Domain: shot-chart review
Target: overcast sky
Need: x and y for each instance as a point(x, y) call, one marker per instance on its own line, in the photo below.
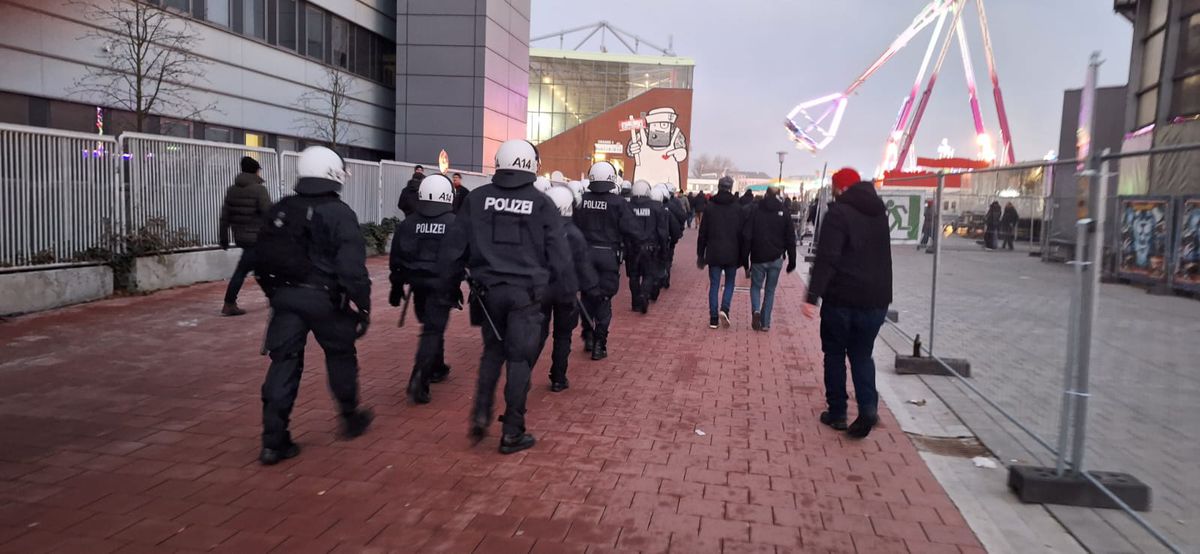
point(756, 59)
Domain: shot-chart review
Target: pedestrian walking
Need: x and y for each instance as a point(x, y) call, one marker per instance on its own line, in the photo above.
point(246, 202)
point(413, 263)
point(719, 247)
point(926, 225)
point(699, 205)
point(607, 223)
point(509, 237)
point(561, 309)
point(411, 192)
point(311, 262)
point(991, 226)
point(686, 202)
point(675, 225)
point(645, 248)
point(852, 279)
point(769, 235)
point(1008, 225)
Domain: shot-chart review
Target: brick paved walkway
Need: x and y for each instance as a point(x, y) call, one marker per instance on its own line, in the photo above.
point(132, 425)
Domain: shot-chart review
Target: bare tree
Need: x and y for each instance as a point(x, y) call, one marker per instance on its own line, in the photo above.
point(328, 106)
point(148, 60)
point(709, 164)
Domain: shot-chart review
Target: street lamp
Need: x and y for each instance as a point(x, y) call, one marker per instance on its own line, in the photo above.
point(782, 154)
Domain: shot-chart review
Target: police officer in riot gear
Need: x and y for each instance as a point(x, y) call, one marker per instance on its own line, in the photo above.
point(415, 247)
point(562, 303)
point(312, 265)
point(509, 236)
point(644, 252)
point(606, 222)
point(674, 208)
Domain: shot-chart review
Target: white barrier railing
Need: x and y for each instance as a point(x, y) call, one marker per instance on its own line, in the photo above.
point(59, 193)
point(64, 192)
point(183, 181)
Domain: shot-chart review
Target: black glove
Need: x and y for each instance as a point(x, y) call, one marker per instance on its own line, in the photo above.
point(700, 263)
point(791, 265)
point(396, 295)
point(364, 321)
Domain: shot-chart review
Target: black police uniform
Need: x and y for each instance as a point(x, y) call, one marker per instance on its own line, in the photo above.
point(413, 262)
point(675, 225)
point(321, 305)
point(606, 221)
point(645, 251)
point(562, 305)
point(510, 238)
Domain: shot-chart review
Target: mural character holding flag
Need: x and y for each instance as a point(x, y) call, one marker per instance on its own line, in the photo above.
point(658, 148)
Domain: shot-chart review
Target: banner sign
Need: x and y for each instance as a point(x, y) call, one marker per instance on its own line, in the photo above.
point(1187, 245)
point(1145, 231)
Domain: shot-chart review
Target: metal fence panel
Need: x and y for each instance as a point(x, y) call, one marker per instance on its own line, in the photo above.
point(183, 181)
point(361, 190)
point(59, 192)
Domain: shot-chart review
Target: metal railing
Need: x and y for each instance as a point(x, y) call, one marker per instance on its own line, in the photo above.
point(59, 192)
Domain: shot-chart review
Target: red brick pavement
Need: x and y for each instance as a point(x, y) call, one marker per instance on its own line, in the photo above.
point(131, 425)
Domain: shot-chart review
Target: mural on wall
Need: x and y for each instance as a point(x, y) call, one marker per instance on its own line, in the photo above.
point(1145, 238)
point(1187, 252)
point(658, 148)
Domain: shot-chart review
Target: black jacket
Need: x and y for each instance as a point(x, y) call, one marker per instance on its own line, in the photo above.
point(675, 206)
point(699, 202)
point(410, 194)
point(415, 248)
point(719, 242)
point(604, 218)
point(1010, 217)
point(508, 233)
point(769, 232)
point(246, 202)
point(653, 220)
point(853, 267)
point(460, 196)
point(340, 252)
point(747, 198)
point(584, 278)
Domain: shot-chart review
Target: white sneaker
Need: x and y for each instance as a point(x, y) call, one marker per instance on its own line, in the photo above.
point(724, 319)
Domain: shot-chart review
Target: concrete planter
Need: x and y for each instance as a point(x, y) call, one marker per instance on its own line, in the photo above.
point(176, 270)
point(34, 291)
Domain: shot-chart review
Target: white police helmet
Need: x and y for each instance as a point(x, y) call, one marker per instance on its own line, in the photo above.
point(577, 188)
point(626, 187)
point(517, 155)
point(563, 200)
point(640, 188)
point(658, 193)
point(558, 178)
point(542, 184)
point(436, 188)
point(321, 163)
point(603, 171)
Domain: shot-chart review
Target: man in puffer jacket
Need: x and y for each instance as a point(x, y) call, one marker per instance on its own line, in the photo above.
point(768, 235)
point(246, 201)
point(719, 247)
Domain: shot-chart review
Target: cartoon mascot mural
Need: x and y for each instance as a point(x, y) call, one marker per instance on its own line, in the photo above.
point(659, 149)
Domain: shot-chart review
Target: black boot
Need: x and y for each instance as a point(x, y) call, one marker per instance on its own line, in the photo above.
point(439, 375)
point(418, 389)
point(560, 384)
point(588, 342)
point(600, 350)
point(272, 456)
point(480, 421)
point(837, 423)
point(355, 424)
point(862, 426)
point(510, 444)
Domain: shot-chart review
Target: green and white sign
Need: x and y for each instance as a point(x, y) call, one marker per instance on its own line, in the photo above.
point(904, 214)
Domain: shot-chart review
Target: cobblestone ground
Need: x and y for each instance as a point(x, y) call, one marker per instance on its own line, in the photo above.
point(1007, 312)
point(132, 425)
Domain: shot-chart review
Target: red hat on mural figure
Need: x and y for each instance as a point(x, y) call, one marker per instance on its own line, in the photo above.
point(845, 178)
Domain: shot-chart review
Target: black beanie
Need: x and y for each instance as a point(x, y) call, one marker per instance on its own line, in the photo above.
point(250, 165)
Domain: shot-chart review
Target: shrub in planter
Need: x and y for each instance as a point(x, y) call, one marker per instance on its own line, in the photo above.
point(118, 249)
point(378, 235)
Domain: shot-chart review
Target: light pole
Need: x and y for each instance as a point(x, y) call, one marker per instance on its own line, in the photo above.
point(782, 154)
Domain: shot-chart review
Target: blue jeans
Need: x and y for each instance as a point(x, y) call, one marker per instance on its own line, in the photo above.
point(761, 302)
point(714, 284)
point(850, 333)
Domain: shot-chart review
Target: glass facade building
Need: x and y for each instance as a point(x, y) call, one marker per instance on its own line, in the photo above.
point(566, 88)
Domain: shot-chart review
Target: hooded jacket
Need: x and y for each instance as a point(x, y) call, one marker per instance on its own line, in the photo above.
point(719, 241)
point(1010, 217)
point(769, 232)
point(584, 278)
point(339, 250)
point(699, 202)
point(410, 195)
point(853, 266)
point(246, 202)
point(508, 233)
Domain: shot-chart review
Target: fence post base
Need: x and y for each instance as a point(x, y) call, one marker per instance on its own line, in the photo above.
point(908, 365)
point(1042, 485)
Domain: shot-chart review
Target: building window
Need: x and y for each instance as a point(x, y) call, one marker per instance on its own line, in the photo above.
point(181, 5)
point(256, 139)
point(340, 46)
point(1189, 46)
point(287, 24)
point(314, 33)
point(1147, 107)
point(1152, 57)
point(362, 52)
point(217, 11)
point(1158, 14)
point(218, 134)
point(254, 18)
point(284, 144)
point(1187, 96)
point(175, 128)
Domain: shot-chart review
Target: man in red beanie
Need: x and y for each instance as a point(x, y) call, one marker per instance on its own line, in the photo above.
point(852, 277)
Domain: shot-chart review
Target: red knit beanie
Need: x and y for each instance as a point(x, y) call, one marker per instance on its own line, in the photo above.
point(845, 178)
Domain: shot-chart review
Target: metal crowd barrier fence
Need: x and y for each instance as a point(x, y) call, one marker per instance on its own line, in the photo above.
point(59, 192)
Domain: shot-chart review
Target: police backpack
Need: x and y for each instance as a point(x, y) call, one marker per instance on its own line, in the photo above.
point(283, 253)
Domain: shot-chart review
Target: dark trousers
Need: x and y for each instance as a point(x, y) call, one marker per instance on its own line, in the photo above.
point(604, 261)
point(562, 317)
point(665, 264)
point(433, 312)
point(295, 312)
point(850, 333)
point(642, 270)
point(244, 266)
point(1008, 233)
point(518, 319)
